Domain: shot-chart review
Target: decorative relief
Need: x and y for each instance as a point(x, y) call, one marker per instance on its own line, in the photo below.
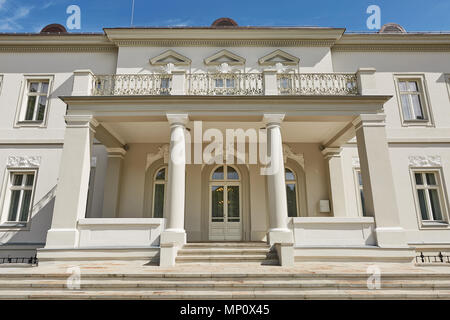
point(23, 162)
point(355, 162)
point(163, 153)
point(425, 161)
point(298, 157)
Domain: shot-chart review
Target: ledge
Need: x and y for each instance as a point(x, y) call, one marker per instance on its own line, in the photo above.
point(333, 220)
point(120, 222)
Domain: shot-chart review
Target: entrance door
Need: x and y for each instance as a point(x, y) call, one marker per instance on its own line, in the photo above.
point(225, 205)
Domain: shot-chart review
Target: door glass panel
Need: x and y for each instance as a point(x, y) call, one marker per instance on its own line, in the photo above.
point(218, 174)
point(233, 204)
point(158, 207)
point(217, 212)
point(232, 174)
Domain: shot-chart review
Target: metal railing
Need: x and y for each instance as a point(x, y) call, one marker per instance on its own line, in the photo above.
point(439, 258)
point(317, 84)
point(28, 260)
point(132, 84)
point(236, 84)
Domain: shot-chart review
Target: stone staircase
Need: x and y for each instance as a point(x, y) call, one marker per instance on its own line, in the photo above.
point(222, 285)
point(227, 252)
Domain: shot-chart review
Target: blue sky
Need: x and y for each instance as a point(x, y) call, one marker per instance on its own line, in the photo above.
point(414, 15)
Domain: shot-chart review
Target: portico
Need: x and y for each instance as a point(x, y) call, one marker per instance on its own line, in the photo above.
point(157, 198)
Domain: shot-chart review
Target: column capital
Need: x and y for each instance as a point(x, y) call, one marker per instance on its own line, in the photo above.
point(273, 118)
point(331, 152)
point(177, 119)
point(81, 121)
point(116, 152)
point(370, 120)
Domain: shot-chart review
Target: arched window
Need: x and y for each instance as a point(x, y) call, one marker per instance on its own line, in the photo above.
point(291, 192)
point(159, 190)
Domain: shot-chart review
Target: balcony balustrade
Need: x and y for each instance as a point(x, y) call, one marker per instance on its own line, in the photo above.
point(219, 84)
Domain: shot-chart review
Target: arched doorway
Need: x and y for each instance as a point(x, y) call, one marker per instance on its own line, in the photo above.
point(225, 204)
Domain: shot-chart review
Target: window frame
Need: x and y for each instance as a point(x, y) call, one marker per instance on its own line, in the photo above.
point(22, 103)
point(296, 189)
point(424, 99)
point(163, 182)
point(442, 193)
point(358, 189)
point(1, 83)
point(6, 225)
point(447, 81)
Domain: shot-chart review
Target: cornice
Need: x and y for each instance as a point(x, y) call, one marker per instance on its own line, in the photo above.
point(426, 42)
point(55, 43)
point(225, 43)
point(391, 48)
point(56, 48)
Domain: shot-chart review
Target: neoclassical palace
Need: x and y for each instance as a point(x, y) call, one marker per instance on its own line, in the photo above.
point(106, 142)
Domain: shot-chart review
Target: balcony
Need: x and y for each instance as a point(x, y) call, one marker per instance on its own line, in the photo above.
point(220, 84)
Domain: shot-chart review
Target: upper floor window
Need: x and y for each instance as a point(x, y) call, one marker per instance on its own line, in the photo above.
point(34, 103)
point(18, 197)
point(430, 196)
point(413, 100)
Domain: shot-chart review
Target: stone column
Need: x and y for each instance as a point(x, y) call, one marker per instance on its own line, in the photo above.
point(174, 235)
point(276, 184)
point(378, 183)
point(73, 182)
point(337, 193)
point(112, 182)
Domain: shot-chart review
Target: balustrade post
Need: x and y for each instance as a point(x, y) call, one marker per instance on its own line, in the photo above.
point(178, 82)
point(367, 84)
point(270, 82)
point(83, 83)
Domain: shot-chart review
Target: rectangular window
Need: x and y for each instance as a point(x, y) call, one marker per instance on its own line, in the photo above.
point(429, 196)
point(34, 101)
point(360, 193)
point(19, 197)
point(413, 100)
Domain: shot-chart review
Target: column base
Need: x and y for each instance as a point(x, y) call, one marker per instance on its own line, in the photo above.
point(171, 241)
point(280, 236)
point(391, 237)
point(62, 238)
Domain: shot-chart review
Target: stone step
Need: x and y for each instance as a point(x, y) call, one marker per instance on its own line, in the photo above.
point(260, 258)
point(214, 295)
point(296, 285)
point(227, 245)
point(223, 251)
point(208, 276)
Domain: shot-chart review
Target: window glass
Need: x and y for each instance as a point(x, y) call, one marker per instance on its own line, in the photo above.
point(218, 174)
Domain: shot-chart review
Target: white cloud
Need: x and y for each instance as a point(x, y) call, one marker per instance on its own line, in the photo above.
point(2, 3)
point(11, 22)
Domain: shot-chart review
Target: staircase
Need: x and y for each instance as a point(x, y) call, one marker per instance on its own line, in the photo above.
point(227, 252)
point(222, 285)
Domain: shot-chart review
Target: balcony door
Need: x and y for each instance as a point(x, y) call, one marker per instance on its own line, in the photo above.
point(225, 211)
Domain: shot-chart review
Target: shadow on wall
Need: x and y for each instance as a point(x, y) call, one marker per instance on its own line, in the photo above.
point(34, 236)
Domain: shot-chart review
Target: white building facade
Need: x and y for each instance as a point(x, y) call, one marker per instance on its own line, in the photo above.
point(358, 126)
